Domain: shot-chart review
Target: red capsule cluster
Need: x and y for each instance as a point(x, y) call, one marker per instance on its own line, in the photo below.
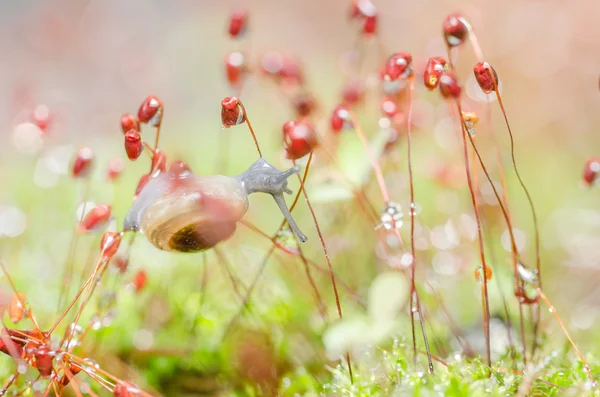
point(299, 138)
point(486, 77)
point(150, 112)
point(433, 71)
point(456, 30)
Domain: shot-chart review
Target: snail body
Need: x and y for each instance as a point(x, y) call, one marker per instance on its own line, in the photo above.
point(183, 212)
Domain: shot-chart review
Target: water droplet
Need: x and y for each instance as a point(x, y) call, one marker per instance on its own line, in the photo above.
point(526, 274)
point(391, 217)
point(551, 310)
point(95, 322)
point(479, 274)
point(287, 239)
point(22, 368)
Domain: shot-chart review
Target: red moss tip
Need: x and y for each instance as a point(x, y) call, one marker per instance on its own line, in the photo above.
point(486, 77)
point(238, 23)
point(82, 165)
point(232, 112)
point(433, 71)
point(129, 122)
point(150, 111)
point(456, 30)
point(398, 66)
point(133, 144)
point(449, 87)
point(299, 139)
point(591, 170)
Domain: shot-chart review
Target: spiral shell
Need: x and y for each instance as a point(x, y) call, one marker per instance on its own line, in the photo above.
point(188, 213)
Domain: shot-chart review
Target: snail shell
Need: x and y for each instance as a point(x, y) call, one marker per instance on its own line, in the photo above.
point(179, 211)
point(188, 213)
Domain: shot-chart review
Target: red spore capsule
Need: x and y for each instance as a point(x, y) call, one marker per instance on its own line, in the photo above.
point(151, 111)
point(238, 23)
point(486, 76)
point(232, 112)
point(299, 138)
point(304, 103)
point(340, 118)
point(133, 144)
point(142, 182)
point(82, 165)
point(591, 170)
point(121, 390)
point(139, 280)
point(41, 117)
point(115, 167)
point(370, 25)
point(449, 86)
point(291, 70)
point(159, 161)
point(434, 69)
point(178, 169)
point(96, 218)
point(129, 122)
point(398, 66)
point(456, 30)
point(354, 91)
point(235, 67)
point(43, 361)
point(110, 244)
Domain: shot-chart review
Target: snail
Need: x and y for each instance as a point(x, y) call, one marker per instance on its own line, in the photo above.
point(183, 212)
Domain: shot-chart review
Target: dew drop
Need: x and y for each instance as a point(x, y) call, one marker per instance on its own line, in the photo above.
point(391, 217)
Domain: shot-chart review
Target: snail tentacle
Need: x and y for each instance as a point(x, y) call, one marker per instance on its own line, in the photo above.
point(266, 178)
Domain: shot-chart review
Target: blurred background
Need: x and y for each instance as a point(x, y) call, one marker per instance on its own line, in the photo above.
point(89, 62)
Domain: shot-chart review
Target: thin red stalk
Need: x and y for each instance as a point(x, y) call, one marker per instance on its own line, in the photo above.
point(278, 246)
point(68, 270)
point(385, 196)
point(320, 303)
point(479, 239)
point(586, 367)
point(508, 222)
point(412, 216)
point(251, 129)
point(265, 259)
point(538, 264)
point(21, 301)
point(234, 281)
point(331, 274)
point(374, 162)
